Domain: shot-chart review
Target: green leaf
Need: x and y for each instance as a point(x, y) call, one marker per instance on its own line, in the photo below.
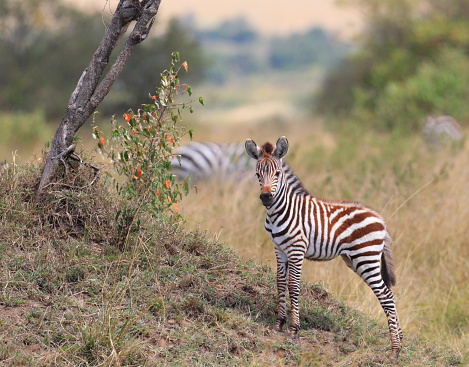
point(201, 101)
point(185, 187)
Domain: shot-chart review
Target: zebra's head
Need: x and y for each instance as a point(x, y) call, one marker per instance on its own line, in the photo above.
point(269, 169)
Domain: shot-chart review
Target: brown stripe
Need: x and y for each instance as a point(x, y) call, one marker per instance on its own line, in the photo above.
point(363, 254)
point(345, 212)
point(349, 222)
point(363, 231)
point(366, 244)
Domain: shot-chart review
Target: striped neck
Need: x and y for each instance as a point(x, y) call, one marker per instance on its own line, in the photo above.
point(291, 186)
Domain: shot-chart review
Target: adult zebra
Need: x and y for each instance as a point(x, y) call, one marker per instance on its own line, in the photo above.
point(442, 130)
point(303, 226)
point(205, 160)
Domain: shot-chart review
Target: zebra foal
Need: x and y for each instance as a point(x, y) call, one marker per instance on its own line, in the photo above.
point(303, 226)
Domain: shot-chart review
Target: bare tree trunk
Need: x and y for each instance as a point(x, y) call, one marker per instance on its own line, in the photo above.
point(90, 91)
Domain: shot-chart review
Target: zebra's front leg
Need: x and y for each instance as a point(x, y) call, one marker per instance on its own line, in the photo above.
point(294, 273)
point(282, 271)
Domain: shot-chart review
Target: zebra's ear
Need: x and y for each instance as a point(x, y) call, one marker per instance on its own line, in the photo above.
point(252, 149)
point(281, 148)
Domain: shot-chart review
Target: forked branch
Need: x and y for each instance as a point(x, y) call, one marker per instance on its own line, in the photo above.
point(91, 88)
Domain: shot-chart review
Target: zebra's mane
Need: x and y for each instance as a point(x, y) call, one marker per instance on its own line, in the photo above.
point(267, 148)
point(297, 186)
point(293, 180)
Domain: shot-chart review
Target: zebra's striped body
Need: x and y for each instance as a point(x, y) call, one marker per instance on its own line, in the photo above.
point(303, 226)
point(205, 160)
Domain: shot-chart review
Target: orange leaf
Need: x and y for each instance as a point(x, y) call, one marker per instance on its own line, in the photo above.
point(167, 184)
point(127, 117)
point(101, 141)
point(185, 66)
point(139, 172)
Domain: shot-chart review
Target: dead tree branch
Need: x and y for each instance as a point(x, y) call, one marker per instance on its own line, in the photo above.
point(90, 91)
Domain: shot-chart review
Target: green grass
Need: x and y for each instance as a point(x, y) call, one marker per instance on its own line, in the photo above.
point(72, 296)
point(23, 134)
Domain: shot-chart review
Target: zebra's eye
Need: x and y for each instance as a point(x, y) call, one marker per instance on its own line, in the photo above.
point(258, 175)
point(277, 173)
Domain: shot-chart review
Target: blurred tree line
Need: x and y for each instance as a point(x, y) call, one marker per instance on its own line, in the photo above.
point(315, 46)
point(236, 48)
point(412, 61)
point(47, 45)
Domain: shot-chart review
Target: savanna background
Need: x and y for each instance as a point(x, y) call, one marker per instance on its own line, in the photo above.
point(349, 84)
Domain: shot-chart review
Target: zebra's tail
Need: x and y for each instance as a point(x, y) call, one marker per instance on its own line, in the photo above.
point(387, 264)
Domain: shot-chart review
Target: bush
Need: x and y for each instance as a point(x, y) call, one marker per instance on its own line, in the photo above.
point(412, 61)
point(437, 87)
point(141, 151)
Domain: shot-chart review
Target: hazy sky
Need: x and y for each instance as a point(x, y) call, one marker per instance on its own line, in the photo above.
point(268, 16)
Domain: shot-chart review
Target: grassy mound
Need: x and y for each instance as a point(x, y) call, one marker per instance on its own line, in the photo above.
point(72, 295)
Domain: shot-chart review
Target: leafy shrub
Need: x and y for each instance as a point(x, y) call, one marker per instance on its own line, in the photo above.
point(141, 149)
point(437, 87)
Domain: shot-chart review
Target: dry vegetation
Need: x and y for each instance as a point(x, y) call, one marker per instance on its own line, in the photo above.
point(72, 295)
point(423, 193)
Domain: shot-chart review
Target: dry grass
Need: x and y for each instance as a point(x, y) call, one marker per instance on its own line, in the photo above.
point(423, 194)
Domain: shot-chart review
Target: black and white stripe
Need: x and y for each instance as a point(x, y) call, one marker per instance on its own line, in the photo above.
point(303, 226)
point(205, 160)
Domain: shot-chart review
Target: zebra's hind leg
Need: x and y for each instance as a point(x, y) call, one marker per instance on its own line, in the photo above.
point(386, 299)
point(370, 271)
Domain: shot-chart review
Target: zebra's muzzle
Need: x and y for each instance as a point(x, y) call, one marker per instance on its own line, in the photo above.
point(267, 198)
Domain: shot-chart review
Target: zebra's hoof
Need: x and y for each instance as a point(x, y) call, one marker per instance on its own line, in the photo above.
point(293, 334)
point(394, 356)
point(279, 324)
